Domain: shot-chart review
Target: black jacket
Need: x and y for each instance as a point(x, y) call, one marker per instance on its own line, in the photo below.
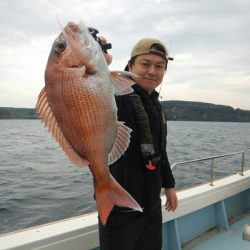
point(130, 170)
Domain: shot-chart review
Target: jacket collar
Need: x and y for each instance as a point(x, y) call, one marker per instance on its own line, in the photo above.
point(144, 94)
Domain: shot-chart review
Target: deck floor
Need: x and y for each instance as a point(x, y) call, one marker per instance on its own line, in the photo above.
point(223, 240)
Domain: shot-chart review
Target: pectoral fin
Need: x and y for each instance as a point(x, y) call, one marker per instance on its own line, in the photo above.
point(121, 143)
point(122, 82)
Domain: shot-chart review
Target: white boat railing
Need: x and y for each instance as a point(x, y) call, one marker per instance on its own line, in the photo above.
point(212, 158)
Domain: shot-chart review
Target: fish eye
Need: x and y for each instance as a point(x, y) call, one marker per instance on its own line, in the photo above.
point(60, 46)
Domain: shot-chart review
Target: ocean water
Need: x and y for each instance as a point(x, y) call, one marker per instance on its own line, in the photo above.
point(39, 185)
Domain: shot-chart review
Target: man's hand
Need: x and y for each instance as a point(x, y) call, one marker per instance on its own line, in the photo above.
point(171, 199)
point(107, 56)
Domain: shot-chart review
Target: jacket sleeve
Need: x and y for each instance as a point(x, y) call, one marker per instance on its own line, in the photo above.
point(168, 180)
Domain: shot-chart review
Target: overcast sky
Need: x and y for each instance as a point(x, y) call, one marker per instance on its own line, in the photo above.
point(209, 40)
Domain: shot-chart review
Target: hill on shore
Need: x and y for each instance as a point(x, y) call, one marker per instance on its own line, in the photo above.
point(175, 110)
point(17, 113)
point(199, 111)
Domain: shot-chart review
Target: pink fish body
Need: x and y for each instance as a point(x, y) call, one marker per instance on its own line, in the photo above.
point(78, 107)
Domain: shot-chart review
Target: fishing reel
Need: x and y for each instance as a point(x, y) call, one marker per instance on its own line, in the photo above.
point(94, 33)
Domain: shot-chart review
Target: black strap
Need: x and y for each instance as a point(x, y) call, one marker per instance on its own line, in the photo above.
point(94, 33)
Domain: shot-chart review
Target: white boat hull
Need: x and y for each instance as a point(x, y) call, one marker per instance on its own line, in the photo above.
point(205, 207)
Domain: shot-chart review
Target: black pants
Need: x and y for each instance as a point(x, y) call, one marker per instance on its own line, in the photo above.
point(131, 231)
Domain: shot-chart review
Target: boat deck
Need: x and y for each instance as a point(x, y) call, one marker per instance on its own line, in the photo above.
point(223, 239)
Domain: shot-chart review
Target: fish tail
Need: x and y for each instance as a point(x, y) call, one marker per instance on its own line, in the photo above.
point(110, 194)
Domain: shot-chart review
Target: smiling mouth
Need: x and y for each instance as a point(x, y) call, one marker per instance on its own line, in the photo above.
point(150, 79)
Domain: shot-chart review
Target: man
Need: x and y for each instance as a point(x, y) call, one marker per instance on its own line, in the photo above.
point(144, 168)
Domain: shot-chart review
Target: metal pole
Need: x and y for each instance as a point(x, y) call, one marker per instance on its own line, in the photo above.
point(242, 163)
point(212, 173)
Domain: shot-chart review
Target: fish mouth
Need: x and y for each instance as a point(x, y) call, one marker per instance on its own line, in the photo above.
point(78, 36)
point(79, 33)
point(82, 43)
point(85, 35)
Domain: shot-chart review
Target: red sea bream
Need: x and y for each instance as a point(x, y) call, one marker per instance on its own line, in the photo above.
point(78, 107)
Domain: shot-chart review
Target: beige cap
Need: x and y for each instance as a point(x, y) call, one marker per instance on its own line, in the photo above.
point(144, 46)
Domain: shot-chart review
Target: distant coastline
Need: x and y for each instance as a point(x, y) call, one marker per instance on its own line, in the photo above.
point(200, 111)
point(17, 113)
point(175, 110)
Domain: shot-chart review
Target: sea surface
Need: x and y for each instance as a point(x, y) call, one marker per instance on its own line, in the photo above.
point(39, 185)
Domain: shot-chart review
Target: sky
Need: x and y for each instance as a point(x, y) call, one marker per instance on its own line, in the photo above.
point(209, 40)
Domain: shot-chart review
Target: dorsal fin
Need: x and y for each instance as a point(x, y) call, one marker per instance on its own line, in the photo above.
point(121, 143)
point(44, 112)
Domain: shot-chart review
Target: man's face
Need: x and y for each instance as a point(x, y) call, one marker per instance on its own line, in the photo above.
point(150, 70)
